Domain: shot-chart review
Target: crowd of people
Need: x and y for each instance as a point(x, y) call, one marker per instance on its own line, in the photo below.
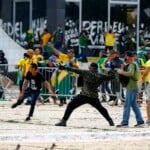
point(105, 76)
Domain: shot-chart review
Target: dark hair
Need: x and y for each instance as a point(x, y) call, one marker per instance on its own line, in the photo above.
point(46, 30)
point(34, 65)
point(130, 54)
point(2, 53)
point(25, 55)
point(94, 65)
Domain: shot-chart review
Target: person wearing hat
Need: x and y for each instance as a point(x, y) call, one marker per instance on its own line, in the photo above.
point(131, 92)
point(146, 79)
point(69, 60)
point(89, 93)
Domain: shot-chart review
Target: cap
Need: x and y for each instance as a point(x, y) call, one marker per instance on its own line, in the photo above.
point(94, 65)
point(129, 54)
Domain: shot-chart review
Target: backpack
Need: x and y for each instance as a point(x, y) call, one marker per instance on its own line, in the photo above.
point(124, 80)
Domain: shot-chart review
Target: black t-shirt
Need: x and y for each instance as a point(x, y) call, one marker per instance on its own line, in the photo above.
point(35, 82)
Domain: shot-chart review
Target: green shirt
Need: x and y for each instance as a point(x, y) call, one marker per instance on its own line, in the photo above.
point(83, 41)
point(132, 72)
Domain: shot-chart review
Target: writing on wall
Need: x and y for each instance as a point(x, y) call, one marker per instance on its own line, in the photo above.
point(16, 30)
point(71, 33)
point(96, 30)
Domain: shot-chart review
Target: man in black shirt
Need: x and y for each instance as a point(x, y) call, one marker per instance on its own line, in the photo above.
point(89, 93)
point(34, 80)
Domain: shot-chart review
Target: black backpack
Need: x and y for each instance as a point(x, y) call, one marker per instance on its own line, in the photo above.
point(124, 80)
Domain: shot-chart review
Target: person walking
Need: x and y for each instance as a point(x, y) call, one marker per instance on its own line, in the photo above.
point(131, 92)
point(89, 93)
point(34, 79)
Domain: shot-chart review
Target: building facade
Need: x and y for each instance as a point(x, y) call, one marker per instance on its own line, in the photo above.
point(17, 16)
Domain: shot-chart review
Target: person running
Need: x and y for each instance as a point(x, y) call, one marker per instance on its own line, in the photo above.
point(89, 93)
point(34, 79)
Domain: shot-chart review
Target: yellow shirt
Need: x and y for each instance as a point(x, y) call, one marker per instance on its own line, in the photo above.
point(109, 39)
point(45, 38)
point(27, 64)
point(21, 64)
point(63, 58)
point(147, 64)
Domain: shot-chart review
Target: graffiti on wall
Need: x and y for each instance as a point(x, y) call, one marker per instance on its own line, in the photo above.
point(96, 30)
point(16, 31)
point(71, 33)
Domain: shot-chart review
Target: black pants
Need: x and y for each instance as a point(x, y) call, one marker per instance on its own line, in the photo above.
point(80, 100)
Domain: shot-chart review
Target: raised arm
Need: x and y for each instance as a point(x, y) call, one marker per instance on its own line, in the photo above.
point(54, 49)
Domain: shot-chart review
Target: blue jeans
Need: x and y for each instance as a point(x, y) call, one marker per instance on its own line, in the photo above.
point(32, 98)
point(130, 101)
point(105, 87)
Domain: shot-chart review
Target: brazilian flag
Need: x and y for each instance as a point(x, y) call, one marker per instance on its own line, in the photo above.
point(62, 81)
point(19, 74)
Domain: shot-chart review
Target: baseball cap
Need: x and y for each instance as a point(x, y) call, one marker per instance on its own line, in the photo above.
point(129, 54)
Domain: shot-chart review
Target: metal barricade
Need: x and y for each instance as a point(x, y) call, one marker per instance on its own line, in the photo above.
point(64, 83)
point(8, 77)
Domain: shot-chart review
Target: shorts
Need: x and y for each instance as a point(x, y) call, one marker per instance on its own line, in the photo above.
point(147, 92)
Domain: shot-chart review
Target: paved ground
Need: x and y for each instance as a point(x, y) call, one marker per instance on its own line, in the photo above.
point(86, 129)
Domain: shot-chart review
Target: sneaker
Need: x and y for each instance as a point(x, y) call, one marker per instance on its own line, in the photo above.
point(19, 102)
point(122, 126)
point(14, 105)
point(139, 124)
point(61, 123)
point(28, 119)
point(27, 103)
point(61, 104)
point(111, 123)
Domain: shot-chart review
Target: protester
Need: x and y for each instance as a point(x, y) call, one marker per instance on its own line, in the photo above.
point(35, 80)
point(89, 93)
point(21, 66)
point(115, 63)
point(146, 78)
point(25, 63)
point(29, 39)
point(58, 38)
point(83, 44)
point(131, 92)
point(45, 37)
point(109, 40)
point(67, 79)
point(104, 87)
point(3, 62)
